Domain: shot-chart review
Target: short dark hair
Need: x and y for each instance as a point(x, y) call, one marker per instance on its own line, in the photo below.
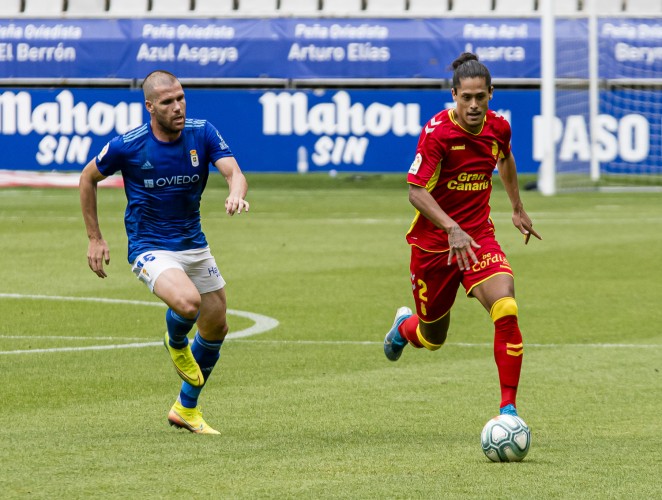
point(155, 78)
point(467, 65)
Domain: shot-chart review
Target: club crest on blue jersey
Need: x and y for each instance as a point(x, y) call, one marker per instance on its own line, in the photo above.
point(195, 161)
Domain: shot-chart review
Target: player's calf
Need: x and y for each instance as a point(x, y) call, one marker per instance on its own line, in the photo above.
point(508, 348)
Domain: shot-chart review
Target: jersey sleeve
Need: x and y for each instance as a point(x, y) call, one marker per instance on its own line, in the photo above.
point(108, 158)
point(429, 153)
point(217, 146)
point(506, 134)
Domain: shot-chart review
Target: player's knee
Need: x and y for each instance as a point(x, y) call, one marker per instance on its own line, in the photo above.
point(431, 342)
point(506, 306)
point(223, 331)
point(187, 307)
point(433, 335)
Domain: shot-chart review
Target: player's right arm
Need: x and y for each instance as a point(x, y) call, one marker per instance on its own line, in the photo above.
point(460, 244)
point(97, 250)
point(430, 152)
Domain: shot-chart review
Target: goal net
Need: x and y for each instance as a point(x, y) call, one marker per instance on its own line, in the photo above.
point(607, 95)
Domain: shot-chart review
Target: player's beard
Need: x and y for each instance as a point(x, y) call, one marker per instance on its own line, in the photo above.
point(473, 120)
point(172, 126)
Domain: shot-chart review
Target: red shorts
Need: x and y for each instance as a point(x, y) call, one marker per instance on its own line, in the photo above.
point(435, 283)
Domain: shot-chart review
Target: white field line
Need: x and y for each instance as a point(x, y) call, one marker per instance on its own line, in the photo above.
point(283, 341)
point(261, 324)
point(450, 344)
point(86, 348)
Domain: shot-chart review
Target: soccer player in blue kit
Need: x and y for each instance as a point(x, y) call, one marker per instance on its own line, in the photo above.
point(165, 166)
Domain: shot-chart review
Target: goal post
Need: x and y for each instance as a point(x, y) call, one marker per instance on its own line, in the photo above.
point(547, 175)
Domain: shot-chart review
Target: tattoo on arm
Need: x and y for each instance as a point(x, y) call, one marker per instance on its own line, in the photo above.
point(455, 237)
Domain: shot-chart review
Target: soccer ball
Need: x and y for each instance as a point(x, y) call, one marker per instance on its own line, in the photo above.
point(505, 438)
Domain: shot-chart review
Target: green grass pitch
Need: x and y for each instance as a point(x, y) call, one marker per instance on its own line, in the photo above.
point(311, 408)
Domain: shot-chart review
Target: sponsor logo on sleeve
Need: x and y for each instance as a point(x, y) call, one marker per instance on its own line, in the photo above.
point(413, 169)
point(103, 152)
point(222, 144)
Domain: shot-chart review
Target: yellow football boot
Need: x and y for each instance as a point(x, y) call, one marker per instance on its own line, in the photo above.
point(185, 364)
point(189, 419)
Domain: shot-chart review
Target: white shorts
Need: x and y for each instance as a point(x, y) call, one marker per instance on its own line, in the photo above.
point(198, 264)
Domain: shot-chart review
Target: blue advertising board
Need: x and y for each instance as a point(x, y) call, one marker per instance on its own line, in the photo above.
point(304, 48)
point(307, 130)
point(62, 49)
point(630, 48)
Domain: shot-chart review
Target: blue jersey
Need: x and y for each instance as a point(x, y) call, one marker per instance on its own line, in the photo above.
point(163, 182)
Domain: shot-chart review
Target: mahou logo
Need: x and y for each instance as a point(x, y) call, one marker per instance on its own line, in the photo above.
point(343, 127)
point(66, 126)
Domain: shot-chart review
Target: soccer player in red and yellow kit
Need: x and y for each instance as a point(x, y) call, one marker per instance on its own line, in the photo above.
point(452, 236)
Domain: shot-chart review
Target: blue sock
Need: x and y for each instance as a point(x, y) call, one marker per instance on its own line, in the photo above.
point(206, 353)
point(178, 329)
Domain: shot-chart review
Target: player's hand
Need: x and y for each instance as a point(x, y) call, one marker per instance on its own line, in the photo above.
point(235, 204)
point(461, 245)
point(523, 222)
point(97, 254)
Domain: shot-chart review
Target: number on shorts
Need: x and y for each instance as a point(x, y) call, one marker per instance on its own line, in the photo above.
point(422, 290)
point(148, 257)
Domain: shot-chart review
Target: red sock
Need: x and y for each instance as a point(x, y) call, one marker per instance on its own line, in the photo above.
point(408, 331)
point(508, 353)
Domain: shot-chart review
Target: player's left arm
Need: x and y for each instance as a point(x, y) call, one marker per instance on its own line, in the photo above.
point(521, 220)
point(236, 200)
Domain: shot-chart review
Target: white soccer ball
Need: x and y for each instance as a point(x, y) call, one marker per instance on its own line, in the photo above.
point(505, 438)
